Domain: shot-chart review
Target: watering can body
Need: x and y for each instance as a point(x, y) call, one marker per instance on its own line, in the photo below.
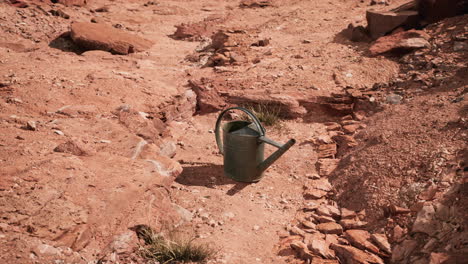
point(243, 146)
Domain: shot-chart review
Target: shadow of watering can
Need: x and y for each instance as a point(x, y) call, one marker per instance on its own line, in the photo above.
point(243, 146)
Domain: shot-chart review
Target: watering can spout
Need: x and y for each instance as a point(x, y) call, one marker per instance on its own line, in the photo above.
point(277, 154)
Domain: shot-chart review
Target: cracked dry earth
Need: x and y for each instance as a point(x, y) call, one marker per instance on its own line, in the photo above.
point(94, 143)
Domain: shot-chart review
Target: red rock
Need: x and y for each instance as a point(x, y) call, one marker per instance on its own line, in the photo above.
point(323, 218)
point(438, 258)
point(429, 193)
point(72, 2)
point(425, 222)
point(301, 249)
point(331, 126)
point(208, 99)
point(352, 255)
point(403, 250)
point(352, 224)
point(327, 166)
point(330, 228)
point(347, 214)
point(320, 184)
point(321, 247)
point(316, 260)
point(351, 129)
point(255, 3)
point(398, 233)
point(361, 240)
point(400, 42)
point(380, 23)
point(91, 36)
point(326, 151)
point(314, 194)
point(73, 147)
point(308, 224)
point(381, 241)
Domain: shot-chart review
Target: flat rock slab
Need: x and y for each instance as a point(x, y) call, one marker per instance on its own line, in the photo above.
point(92, 36)
point(405, 41)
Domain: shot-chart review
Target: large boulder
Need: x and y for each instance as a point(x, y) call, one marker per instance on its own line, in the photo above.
point(91, 36)
point(380, 23)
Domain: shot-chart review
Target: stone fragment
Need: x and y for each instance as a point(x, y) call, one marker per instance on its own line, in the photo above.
point(168, 148)
point(314, 194)
point(425, 222)
point(429, 193)
point(393, 99)
point(351, 129)
point(326, 151)
point(321, 247)
point(308, 224)
point(323, 218)
point(327, 166)
point(208, 99)
point(361, 240)
point(403, 251)
point(92, 36)
point(380, 23)
point(332, 126)
point(347, 214)
point(72, 147)
point(401, 42)
point(352, 224)
point(352, 255)
point(302, 250)
point(71, 2)
point(320, 184)
point(398, 233)
point(297, 231)
point(323, 261)
point(31, 125)
point(438, 258)
point(330, 228)
point(255, 3)
point(382, 242)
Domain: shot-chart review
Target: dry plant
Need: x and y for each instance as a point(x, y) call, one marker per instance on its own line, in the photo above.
point(175, 248)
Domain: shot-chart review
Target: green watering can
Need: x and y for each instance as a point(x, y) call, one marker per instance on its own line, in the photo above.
point(243, 146)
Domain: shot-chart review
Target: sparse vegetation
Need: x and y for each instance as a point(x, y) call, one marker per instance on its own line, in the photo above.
point(174, 249)
point(268, 114)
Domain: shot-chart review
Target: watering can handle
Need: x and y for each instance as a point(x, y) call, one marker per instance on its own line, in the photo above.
point(260, 128)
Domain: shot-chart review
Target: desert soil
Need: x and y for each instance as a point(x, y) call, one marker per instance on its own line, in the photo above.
point(93, 143)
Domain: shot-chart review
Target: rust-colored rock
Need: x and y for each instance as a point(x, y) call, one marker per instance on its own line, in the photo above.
point(208, 99)
point(72, 2)
point(255, 3)
point(382, 242)
point(327, 166)
point(330, 228)
point(352, 224)
point(401, 42)
point(361, 240)
point(92, 36)
point(380, 23)
point(73, 147)
point(326, 151)
point(353, 255)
